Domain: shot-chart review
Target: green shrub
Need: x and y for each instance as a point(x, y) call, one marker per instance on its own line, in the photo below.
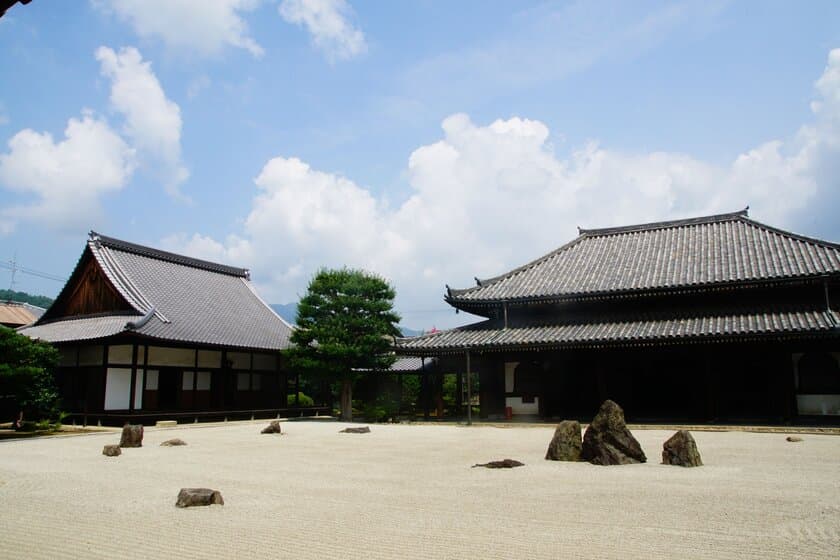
point(303, 400)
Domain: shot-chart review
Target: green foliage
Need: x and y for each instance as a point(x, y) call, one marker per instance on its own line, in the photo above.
point(345, 323)
point(11, 295)
point(26, 371)
point(303, 400)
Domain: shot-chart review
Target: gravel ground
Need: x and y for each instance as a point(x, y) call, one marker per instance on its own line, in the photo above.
point(408, 491)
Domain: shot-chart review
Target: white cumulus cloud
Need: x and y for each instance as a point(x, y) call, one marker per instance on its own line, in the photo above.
point(66, 178)
point(152, 121)
point(202, 26)
point(327, 23)
point(487, 198)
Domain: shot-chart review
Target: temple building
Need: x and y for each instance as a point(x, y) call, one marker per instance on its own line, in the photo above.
point(147, 334)
point(711, 319)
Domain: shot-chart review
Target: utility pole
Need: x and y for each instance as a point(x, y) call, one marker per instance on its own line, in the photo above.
point(13, 264)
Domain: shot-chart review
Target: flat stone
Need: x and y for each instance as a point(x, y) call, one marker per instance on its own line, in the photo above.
point(166, 423)
point(189, 497)
point(607, 440)
point(793, 439)
point(173, 442)
point(272, 428)
point(112, 450)
point(362, 430)
point(503, 464)
point(681, 450)
point(566, 443)
point(132, 435)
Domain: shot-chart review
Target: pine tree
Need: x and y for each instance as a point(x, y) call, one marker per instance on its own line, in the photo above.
point(345, 324)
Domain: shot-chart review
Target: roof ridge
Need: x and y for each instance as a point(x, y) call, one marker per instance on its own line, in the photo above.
point(151, 252)
point(794, 235)
point(666, 224)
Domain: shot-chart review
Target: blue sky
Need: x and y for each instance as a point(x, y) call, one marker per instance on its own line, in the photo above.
point(427, 141)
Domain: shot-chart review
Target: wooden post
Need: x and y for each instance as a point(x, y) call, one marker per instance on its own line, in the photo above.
point(469, 391)
point(133, 389)
point(424, 392)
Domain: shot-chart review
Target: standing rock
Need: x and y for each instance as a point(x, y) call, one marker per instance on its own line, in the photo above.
point(607, 440)
point(189, 497)
point(173, 442)
point(566, 443)
point(112, 450)
point(272, 428)
point(132, 435)
point(681, 450)
point(362, 430)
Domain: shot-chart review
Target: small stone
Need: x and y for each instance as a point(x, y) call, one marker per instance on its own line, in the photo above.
point(132, 435)
point(173, 442)
point(793, 439)
point(189, 497)
point(607, 440)
point(566, 443)
point(112, 450)
point(503, 464)
point(362, 430)
point(272, 428)
point(681, 450)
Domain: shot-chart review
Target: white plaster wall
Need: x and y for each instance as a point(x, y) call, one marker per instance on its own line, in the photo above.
point(117, 389)
point(120, 354)
point(510, 371)
point(518, 407)
point(138, 391)
point(818, 405)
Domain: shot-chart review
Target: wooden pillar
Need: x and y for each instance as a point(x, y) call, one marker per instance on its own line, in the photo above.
point(469, 391)
point(132, 390)
point(425, 392)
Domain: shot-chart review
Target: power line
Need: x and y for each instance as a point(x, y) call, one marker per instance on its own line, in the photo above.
point(15, 268)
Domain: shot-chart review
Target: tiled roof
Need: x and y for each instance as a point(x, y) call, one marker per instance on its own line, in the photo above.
point(17, 314)
point(713, 250)
point(186, 300)
point(409, 364)
point(87, 328)
point(636, 330)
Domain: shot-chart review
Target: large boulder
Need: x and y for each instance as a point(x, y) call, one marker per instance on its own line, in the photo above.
point(681, 450)
point(272, 428)
point(607, 440)
point(112, 450)
point(566, 443)
point(132, 435)
point(189, 497)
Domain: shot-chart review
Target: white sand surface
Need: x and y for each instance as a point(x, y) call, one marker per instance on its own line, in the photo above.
point(407, 491)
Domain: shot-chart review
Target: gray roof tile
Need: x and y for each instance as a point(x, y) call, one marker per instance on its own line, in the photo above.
point(490, 334)
point(705, 251)
point(193, 301)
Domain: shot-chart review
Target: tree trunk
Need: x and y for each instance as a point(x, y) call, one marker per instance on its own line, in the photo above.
point(347, 400)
